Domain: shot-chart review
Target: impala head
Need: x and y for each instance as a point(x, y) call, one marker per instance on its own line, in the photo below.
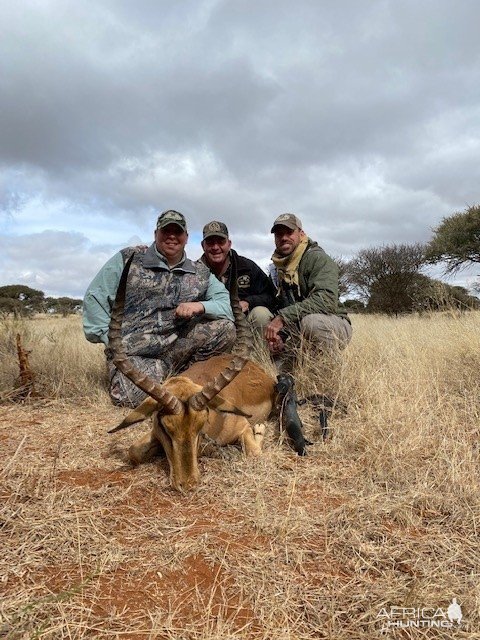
point(180, 406)
point(179, 434)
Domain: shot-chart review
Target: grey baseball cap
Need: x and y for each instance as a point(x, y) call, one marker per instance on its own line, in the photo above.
point(215, 228)
point(287, 220)
point(171, 217)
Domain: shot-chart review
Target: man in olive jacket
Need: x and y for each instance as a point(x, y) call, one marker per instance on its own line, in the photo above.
point(307, 282)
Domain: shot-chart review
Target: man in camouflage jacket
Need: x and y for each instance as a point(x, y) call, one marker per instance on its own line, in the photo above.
point(176, 311)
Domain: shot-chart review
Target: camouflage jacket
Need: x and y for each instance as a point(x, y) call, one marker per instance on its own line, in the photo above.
point(153, 292)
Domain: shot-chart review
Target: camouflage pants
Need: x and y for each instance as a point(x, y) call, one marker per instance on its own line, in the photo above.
point(199, 340)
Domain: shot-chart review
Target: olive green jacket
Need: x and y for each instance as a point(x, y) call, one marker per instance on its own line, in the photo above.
point(318, 280)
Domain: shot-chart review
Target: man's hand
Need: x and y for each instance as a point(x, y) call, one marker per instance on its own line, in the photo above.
point(273, 327)
point(244, 306)
point(275, 342)
point(189, 309)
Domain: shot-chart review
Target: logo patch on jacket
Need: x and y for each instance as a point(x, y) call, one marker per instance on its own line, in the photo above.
point(243, 281)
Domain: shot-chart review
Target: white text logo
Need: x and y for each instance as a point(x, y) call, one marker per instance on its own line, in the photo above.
point(392, 618)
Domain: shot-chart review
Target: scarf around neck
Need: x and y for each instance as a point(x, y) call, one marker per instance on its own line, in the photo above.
point(287, 266)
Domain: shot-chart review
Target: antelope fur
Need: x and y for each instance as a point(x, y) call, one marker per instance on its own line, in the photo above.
point(177, 435)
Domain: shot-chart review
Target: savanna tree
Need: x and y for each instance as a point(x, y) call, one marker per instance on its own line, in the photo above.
point(343, 280)
point(428, 294)
point(63, 305)
point(383, 276)
point(456, 241)
point(21, 299)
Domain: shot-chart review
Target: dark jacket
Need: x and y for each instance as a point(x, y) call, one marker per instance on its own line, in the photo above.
point(318, 280)
point(254, 285)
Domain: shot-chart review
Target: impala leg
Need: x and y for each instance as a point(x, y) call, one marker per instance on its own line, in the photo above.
point(252, 439)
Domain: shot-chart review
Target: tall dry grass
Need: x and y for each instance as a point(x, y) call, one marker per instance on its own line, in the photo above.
point(384, 514)
point(65, 365)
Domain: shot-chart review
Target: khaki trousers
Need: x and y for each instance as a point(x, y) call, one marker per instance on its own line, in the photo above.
point(325, 330)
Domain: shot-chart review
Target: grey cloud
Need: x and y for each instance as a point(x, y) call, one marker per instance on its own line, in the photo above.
point(73, 103)
point(360, 117)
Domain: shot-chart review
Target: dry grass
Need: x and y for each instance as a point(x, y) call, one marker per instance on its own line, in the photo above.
point(385, 513)
point(65, 364)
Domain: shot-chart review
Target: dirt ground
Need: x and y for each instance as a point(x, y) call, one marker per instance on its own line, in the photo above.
point(122, 551)
point(275, 547)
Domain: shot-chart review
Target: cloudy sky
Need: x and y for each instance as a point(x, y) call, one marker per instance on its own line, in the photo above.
point(361, 116)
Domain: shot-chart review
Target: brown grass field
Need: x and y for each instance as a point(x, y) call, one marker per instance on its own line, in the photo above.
point(347, 543)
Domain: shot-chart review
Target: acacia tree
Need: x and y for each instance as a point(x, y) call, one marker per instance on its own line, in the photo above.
point(10, 305)
point(343, 280)
point(428, 294)
point(456, 240)
point(21, 299)
point(63, 305)
point(384, 276)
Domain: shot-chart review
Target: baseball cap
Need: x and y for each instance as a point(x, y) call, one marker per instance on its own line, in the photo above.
point(215, 228)
point(287, 220)
point(171, 217)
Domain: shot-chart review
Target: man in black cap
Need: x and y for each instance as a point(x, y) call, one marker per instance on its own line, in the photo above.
point(176, 311)
point(307, 281)
point(255, 290)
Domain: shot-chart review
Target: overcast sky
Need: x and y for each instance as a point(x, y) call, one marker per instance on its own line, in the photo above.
point(360, 116)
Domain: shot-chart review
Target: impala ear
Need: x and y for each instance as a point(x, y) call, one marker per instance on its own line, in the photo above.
point(139, 414)
point(224, 406)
